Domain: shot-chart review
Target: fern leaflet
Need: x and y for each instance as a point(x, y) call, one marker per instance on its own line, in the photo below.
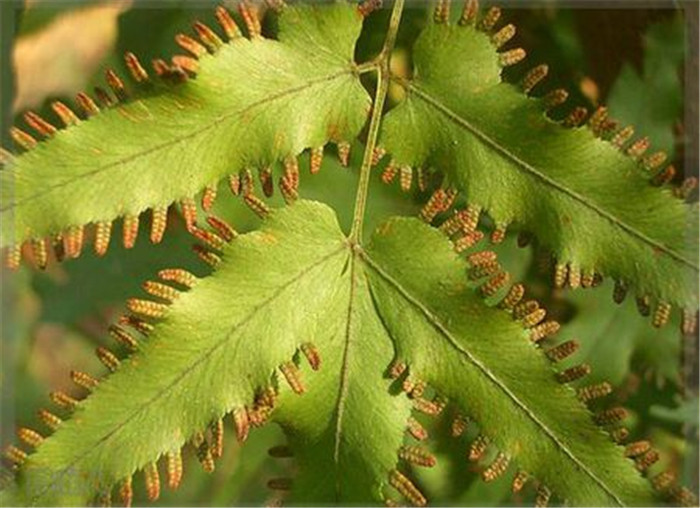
point(585, 199)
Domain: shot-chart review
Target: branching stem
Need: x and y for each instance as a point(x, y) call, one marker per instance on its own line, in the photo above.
point(382, 67)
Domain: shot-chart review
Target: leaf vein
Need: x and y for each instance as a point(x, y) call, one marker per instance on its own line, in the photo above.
point(344, 374)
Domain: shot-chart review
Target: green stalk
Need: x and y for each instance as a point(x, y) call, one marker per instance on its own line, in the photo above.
point(382, 67)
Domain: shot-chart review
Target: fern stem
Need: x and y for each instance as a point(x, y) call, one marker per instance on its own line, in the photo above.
point(382, 66)
point(366, 67)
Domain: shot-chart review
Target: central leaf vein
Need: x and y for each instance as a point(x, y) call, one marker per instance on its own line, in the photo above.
point(344, 373)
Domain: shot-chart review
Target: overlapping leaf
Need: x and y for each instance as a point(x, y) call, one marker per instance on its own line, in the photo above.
point(615, 341)
point(586, 200)
point(252, 103)
point(403, 298)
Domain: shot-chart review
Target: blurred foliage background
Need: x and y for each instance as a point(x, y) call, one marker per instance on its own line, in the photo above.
point(634, 60)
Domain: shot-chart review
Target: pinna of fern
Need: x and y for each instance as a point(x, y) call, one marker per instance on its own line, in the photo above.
point(168, 114)
point(574, 184)
point(398, 313)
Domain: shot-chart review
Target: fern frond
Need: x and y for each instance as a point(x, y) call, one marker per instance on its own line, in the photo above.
point(586, 192)
point(221, 109)
point(343, 347)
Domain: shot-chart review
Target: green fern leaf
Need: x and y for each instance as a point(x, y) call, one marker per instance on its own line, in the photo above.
point(484, 361)
point(203, 360)
point(586, 200)
point(252, 103)
point(401, 308)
